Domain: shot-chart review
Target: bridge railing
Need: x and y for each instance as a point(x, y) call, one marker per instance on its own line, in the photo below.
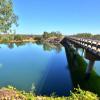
point(91, 45)
point(91, 48)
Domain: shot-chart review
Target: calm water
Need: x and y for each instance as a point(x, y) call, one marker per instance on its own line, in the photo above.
point(31, 67)
point(43, 69)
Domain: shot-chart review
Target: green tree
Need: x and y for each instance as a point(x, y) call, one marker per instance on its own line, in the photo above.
point(7, 16)
point(45, 35)
point(83, 35)
point(18, 37)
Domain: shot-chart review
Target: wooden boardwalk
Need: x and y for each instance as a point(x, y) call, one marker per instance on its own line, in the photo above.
point(91, 46)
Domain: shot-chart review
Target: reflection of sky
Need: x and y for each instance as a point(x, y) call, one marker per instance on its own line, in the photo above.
point(30, 64)
point(96, 65)
point(1, 65)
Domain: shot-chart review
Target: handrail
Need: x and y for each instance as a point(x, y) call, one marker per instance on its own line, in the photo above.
point(92, 46)
point(92, 43)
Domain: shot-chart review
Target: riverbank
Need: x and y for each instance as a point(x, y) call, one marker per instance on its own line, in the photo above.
point(19, 38)
point(53, 37)
point(18, 41)
point(11, 93)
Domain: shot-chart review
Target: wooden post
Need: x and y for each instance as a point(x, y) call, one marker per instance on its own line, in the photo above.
point(89, 68)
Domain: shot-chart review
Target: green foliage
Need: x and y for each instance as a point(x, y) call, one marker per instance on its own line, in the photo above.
point(14, 37)
point(11, 87)
point(38, 38)
point(47, 35)
point(50, 46)
point(18, 37)
point(88, 35)
point(7, 16)
point(78, 94)
point(85, 35)
point(21, 37)
point(5, 39)
point(96, 37)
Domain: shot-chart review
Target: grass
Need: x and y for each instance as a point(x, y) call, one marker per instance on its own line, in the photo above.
point(14, 94)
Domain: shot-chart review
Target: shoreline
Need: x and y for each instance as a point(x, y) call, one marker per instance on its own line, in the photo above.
point(11, 93)
point(33, 41)
point(19, 41)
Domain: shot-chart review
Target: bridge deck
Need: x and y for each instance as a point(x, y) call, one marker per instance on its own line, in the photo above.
point(92, 46)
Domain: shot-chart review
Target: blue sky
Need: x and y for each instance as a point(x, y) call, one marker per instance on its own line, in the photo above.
point(66, 16)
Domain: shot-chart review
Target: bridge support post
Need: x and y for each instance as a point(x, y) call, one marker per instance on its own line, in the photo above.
point(89, 68)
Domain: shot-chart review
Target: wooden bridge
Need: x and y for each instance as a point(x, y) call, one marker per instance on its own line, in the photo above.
point(90, 46)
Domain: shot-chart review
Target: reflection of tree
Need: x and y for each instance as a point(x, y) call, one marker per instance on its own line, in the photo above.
point(20, 44)
point(11, 45)
point(51, 46)
point(33, 89)
point(58, 47)
point(46, 46)
point(39, 42)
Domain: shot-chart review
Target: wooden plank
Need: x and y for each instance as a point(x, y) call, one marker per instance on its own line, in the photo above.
point(92, 46)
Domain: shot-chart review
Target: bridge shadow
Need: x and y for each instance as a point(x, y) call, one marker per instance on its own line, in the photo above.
point(56, 78)
point(78, 68)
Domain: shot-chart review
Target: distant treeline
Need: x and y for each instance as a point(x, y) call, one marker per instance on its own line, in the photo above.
point(13, 37)
point(22, 37)
point(88, 35)
point(52, 34)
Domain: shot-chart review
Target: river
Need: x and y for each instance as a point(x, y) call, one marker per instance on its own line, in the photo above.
point(36, 67)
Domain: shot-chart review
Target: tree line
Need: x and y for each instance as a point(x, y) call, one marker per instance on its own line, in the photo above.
point(52, 34)
point(88, 35)
point(21, 37)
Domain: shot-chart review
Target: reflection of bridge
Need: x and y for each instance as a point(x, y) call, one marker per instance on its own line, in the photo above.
point(91, 48)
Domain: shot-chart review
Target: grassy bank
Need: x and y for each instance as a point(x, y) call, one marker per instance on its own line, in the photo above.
point(11, 93)
point(13, 38)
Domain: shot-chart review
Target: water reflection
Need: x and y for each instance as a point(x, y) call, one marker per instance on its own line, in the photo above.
point(42, 68)
point(50, 46)
point(33, 88)
point(78, 68)
point(11, 45)
point(1, 65)
point(46, 46)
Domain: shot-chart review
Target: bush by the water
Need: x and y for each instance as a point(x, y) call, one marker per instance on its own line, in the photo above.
point(11, 93)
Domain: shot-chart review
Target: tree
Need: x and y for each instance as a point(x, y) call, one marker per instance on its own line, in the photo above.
point(18, 37)
point(7, 16)
point(45, 35)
